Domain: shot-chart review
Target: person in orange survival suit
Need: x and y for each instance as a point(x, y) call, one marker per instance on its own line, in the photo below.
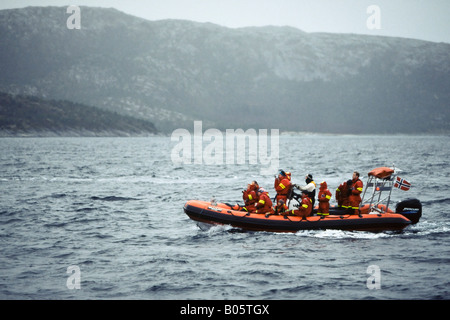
point(264, 204)
point(250, 196)
point(342, 193)
point(280, 207)
point(355, 194)
point(282, 186)
point(304, 210)
point(324, 200)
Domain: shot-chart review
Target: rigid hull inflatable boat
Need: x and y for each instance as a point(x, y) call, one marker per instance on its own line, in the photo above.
point(202, 211)
point(374, 215)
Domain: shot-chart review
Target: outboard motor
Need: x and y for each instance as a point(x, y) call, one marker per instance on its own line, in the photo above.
point(410, 208)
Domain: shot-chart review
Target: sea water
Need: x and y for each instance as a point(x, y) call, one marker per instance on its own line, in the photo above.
point(102, 218)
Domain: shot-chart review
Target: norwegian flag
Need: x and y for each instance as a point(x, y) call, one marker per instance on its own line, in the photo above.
point(402, 184)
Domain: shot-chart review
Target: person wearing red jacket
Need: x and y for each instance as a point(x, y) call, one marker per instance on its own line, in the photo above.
point(264, 204)
point(250, 196)
point(304, 210)
point(355, 195)
point(282, 186)
point(324, 200)
point(342, 193)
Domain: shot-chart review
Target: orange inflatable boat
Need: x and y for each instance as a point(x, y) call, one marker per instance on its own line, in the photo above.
point(374, 215)
point(223, 214)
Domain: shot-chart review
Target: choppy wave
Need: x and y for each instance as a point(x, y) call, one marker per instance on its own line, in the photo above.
point(113, 198)
point(435, 201)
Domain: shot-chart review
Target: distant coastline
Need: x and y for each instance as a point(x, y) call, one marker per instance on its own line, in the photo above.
point(26, 116)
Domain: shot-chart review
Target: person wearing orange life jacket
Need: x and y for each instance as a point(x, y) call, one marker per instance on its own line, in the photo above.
point(324, 200)
point(264, 204)
point(281, 207)
point(355, 195)
point(250, 196)
point(282, 186)
point(304, 210)
point(342, 193)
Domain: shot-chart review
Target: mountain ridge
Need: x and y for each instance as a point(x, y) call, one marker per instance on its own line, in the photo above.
point(172, 72)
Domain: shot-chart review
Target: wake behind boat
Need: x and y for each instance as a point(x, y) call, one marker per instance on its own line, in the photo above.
point(374, 214)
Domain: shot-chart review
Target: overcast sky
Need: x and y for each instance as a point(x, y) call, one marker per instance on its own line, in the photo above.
point(418, 19)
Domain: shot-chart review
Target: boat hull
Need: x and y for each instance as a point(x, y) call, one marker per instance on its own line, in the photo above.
point(222, 214)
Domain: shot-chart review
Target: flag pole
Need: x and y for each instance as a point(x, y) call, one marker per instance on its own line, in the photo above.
point(391, 184)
